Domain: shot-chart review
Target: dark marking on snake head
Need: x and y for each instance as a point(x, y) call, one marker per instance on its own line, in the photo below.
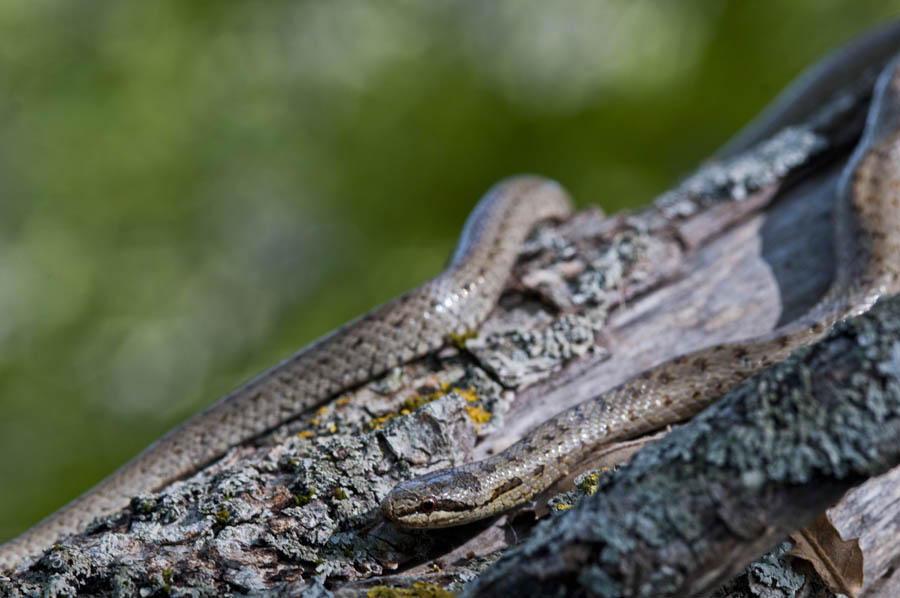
point(445, 504)
point(665, 378)
point(740, 353)
point(701, 364)
point(431, 504)
point(538, 471)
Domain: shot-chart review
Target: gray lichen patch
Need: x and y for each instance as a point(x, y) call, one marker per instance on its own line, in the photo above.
point(519, 357)
point(548, 243)
point(527, 341)
point(620, 266)
point(737, 177)
point(772, 576)
point(439, 434)
point(595, 263)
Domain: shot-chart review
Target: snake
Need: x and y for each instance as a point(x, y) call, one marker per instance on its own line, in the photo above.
point(417, 323)
point(412, 325)
point(867, 254)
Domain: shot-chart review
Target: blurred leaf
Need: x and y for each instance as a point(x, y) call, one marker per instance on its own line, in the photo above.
point(838, 562)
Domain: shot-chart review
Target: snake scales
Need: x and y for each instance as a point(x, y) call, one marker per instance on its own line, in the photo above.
point(418, 322)
point(867, 245)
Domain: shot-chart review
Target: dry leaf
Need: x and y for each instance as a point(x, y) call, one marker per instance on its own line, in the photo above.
point(838, 562)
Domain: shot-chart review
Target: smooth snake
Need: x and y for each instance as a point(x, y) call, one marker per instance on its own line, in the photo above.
point(458, 300)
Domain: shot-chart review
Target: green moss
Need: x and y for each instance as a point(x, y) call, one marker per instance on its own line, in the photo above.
point(167, 580)
point(458, 340)
point(305, 498)
point(223, 516)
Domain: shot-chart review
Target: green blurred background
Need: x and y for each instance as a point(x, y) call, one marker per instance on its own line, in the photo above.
point(189, 191)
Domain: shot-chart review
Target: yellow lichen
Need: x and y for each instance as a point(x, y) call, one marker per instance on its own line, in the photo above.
point(306, 434)
point(413, 402)
point(332, 428)
point(378, 422)
point(563, 506)
point(470, 395)
point(419, 590)
point(591, 483)
point(322, 410)
point(478, 414)
point(343, 401)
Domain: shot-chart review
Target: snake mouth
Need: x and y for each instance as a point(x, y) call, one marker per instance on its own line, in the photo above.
point(387, 509)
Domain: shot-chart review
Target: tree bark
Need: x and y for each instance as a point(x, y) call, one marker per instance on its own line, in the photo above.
point(733, 252)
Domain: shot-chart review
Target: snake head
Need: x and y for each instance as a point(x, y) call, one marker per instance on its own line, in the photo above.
point(438, 499)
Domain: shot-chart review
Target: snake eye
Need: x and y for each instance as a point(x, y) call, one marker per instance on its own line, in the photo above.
point(427, 505)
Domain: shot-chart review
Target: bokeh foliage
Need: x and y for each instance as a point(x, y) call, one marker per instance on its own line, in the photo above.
point(189, 191)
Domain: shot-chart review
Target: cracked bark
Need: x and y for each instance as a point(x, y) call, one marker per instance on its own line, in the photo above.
point(734, 251)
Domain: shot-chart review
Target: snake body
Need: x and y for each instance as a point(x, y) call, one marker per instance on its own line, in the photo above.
point(409, 326)
point(458, 300)
point(867, 240)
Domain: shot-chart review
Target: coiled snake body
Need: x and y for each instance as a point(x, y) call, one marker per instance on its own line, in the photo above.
point(867, 242)
point(458, 300)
